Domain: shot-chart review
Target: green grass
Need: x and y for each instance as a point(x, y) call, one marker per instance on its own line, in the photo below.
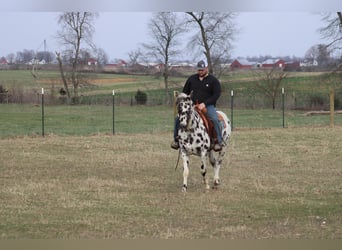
point(19, 120)
point(80, 182)
point(276, 184)
point(16, 120)
point(268, 118)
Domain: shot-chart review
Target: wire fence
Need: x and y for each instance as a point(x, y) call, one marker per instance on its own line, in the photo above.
point(309, 99)
point(43, 114)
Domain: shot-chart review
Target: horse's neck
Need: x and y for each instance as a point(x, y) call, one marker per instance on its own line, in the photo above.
point(195, 119)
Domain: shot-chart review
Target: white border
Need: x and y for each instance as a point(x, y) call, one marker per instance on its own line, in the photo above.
point(170, 5)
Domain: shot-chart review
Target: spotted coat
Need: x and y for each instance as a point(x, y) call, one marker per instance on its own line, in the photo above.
point(194, 140)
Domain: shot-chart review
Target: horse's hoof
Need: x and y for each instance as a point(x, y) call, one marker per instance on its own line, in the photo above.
point(216, 184)
point(184, 188)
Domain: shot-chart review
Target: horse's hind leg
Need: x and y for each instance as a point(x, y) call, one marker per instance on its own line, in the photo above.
point(212, 158)
point(217, 166)
point(204, 171)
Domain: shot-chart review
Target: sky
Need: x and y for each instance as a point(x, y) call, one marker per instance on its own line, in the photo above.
point(118, 33)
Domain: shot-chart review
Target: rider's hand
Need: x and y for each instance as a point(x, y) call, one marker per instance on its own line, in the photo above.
point(201, 106)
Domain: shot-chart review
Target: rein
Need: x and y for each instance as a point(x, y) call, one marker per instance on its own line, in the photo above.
point(177, 160)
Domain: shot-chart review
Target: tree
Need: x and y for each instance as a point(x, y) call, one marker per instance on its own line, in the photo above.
point(77, 29)
point(318, 52)
point(216, 33)
point(134, 56)
point(332, 30)
point(101, 56)
point(10, 58)
point(269, 81)
point(47, 56)
point(164, 29)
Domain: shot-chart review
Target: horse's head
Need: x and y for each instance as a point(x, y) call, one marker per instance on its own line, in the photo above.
point(184, 106)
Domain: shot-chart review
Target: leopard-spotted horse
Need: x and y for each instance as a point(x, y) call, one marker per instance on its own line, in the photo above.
point(196, 136)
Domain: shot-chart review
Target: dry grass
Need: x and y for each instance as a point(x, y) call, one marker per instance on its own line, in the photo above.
point(277, 183)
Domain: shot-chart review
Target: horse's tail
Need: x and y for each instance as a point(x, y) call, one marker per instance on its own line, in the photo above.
point(224, 116)
point(227, 123)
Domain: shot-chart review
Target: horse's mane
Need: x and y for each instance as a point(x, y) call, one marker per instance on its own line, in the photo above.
point(181, 97)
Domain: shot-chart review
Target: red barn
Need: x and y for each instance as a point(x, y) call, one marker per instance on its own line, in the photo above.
point(272, 63)
point(3, 61)
point(242, 64)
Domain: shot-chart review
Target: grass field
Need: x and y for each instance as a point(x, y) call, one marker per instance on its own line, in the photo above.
point(276, 184)
point(82, 182)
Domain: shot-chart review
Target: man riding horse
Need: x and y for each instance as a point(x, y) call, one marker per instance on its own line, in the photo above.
point(206, 89)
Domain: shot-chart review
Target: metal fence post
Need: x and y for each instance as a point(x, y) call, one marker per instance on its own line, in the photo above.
point(332, 107)
point(283, 104)
point(43, 118)
point(232, 108)
point(113, 112)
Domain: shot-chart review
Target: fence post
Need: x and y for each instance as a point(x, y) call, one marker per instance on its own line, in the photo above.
point(232, 108)
point(332, 108)
point(43, 118)
point(113, 112)
point(283, 105)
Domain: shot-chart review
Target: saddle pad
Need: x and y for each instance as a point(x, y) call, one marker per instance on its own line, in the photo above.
point(207, 122)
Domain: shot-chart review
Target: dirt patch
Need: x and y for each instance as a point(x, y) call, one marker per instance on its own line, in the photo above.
point(92, 81)
point(112, 80)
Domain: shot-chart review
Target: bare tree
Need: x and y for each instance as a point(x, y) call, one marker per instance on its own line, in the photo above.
point(269, 82)
point(332, 30)
point(215, 36)
point(101, 56)
point(64, 79)
point(77, 29)
point(164, 29)
point(134, 56)
point(319, 53)
point(10, 58)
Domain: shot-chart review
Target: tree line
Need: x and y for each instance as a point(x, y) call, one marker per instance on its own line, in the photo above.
point(209, 35)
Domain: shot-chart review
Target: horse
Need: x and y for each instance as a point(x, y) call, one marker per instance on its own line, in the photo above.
point(194, 139)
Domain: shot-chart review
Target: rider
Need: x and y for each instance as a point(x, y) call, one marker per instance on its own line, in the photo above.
point(206, 91)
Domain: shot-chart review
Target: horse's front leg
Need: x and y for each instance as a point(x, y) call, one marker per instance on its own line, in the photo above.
point(185, 158)
point(204, 169)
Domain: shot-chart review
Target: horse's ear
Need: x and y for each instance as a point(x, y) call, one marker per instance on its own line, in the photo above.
point(191, 94)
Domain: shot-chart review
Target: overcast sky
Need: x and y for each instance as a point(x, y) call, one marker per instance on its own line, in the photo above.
point(118, 33)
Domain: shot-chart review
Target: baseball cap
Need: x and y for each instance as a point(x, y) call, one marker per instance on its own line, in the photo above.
point(201, 65)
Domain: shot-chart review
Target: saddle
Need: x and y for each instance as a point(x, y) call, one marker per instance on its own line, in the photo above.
point(209, 125)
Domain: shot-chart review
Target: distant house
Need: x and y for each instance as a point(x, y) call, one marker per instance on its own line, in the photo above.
point(116, 66)
point(91, 61)
point(273, 63)
point(3, 61)
point(36, 61)
point(309, 63)
point(242, 64)
point(292, 66)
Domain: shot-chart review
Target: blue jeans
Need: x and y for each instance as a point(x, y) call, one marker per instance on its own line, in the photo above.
point(212, 115)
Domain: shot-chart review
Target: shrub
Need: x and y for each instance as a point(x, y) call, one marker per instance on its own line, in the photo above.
point(3, 94)
point(141, 97)
point(317, 101)
point(337, 103)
